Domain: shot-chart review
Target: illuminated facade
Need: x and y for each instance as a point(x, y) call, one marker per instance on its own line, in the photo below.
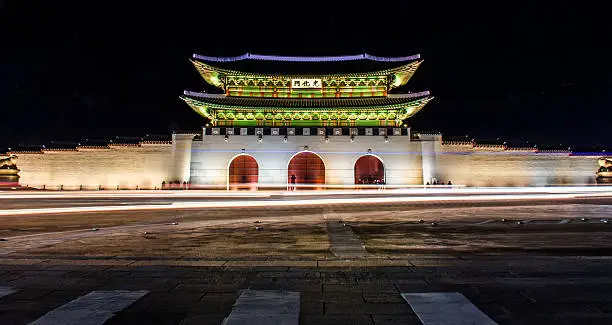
point(298, 124)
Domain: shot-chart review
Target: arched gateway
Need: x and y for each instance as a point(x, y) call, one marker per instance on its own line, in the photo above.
point(243, 173)
point(306, 168)
point(369, 169)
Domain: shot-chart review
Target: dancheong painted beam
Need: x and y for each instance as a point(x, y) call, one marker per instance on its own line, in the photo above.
point(368, 111)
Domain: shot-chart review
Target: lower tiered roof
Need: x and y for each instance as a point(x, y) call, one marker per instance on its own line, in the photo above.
point(385, 110)
point(306, 103)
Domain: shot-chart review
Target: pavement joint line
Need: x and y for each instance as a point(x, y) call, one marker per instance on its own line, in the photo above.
point(435, 308)
point(94, 308)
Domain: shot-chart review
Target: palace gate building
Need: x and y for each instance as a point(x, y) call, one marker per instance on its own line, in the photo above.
point(277, 120)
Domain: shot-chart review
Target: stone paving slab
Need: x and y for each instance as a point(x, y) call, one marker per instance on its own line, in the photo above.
point(178, 263)
point(369, 295)
point(5, 291)
point(202, 319)
point(336, 319)
point(282, 263)
point(435, 308)
point(396, 320)
point(263, 307)
point(344, 242)
point(95, 308)
point(154, 318)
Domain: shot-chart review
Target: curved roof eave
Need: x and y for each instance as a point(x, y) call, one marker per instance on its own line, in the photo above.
point(410, 105)
point(402, 76)
point(210, 72)
point(285, 58)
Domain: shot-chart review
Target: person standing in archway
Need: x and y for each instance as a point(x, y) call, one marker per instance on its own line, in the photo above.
point(292, 188)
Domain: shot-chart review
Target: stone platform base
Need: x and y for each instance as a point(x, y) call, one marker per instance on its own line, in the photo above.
point(9, 180)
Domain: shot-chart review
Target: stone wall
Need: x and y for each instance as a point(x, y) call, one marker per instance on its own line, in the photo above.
point(206, 162)
point(127, 166)
point(494, 166)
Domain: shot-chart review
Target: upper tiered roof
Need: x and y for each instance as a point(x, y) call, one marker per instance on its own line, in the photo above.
point(300, 65)
point(215, 70)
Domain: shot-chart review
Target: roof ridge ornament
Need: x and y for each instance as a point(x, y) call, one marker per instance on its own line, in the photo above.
point(338, 58)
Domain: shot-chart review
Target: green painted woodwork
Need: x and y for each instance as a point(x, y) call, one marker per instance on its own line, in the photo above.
point(306, 123)
point(235, 81)
point(367, 84)
point(306, 94)
point(390, 115)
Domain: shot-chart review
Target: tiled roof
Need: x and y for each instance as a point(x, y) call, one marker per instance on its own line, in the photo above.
point(285, 58)
point(220, 99)
point(257, 63)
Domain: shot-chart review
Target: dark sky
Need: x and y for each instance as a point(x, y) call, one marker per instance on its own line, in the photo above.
point(85, 69)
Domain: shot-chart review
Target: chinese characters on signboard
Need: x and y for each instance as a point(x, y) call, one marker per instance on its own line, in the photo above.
point(306, 83)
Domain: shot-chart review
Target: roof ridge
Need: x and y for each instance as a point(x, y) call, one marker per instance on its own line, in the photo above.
point(287, 58)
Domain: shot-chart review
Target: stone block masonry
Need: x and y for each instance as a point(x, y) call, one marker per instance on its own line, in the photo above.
point(142, 165)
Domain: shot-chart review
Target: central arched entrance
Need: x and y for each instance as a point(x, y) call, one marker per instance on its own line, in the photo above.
point(306, 169)
point(243, 173)
point(369, 169)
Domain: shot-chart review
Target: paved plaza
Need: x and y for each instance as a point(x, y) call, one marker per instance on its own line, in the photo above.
point(517, 261)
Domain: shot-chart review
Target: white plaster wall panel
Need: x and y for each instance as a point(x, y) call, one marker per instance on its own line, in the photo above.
point(464, 165)
point(429, 161)
point(430, 146)
point(181, 157)
point(127, 166)
point(339, 154)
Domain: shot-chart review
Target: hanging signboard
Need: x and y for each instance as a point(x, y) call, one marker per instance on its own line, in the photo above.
point(306, 83)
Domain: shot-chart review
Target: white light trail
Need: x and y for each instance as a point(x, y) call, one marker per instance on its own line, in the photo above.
point(399, 189)
point(300, 203)
point(129, 194)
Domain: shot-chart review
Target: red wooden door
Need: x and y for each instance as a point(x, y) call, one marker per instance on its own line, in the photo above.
point(306, 168)
point(243, 173)
point(369, 170)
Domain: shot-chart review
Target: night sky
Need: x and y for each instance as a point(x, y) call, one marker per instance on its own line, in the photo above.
point(518, 73)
